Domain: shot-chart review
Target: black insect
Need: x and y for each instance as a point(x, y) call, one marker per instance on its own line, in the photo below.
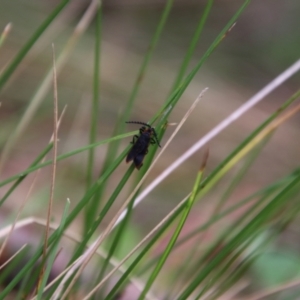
point(141, 143)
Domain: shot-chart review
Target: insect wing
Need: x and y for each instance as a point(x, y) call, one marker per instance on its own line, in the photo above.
point(138, 160)
point(131, 154)
point(137, 149)
point(140, 146)
point(143, 150)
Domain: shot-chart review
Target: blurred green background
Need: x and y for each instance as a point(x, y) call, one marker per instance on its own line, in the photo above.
point(263, 43)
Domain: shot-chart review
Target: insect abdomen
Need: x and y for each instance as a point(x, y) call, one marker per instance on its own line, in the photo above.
point(138, 149)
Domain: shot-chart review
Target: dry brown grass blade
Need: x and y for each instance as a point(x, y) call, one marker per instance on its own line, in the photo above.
point(12, 257)
point(5, 33)
point(272, 291)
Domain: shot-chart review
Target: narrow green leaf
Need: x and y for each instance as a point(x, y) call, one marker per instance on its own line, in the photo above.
point(92, 209)
point(174, 237)
point(64, 156)
point(193, 44)
point(243, 234)
point(53, 251)
point(142, 254)
point(19, 57)
point(20, 179)
point(102, 214)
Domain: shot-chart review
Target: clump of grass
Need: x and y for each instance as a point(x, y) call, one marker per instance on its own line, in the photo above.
point(223, 265)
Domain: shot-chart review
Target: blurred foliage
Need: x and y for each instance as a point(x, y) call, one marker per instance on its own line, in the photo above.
point(264, 41)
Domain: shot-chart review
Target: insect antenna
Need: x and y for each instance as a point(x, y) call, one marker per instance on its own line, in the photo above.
point(145, 124)
point(141, 123)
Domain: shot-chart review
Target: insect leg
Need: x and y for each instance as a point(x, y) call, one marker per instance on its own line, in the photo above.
point(152, 141)
point(134, 139)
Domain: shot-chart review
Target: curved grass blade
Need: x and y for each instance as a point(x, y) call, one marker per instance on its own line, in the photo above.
point(241, 236)
point(73, 214)
point(102, 214)
point(21, 178)
point(53, 252)
point(193, 44)
point(93, 207)
point(165, 111)
point(116, 240)
point(19, 57)
point(64, 156)
point(96, 92)
point(143, 253)
point(167, 252)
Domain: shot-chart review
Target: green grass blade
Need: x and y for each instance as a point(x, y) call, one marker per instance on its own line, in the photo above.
point(215, 218)
point(163, 229)
point(141, 255)
point(175, 96)
point(53, 252)
point(174, 237)
point(193, 44)
point(210, 177)
point(241, 173)
point(269, 210)
point(23, 290)
point(116, 239)
point(244, 233)
point(64, 156)
point(91, 209)
point(279, 224)
point(216, 173)
point(113, 148)
point(89, 194)
point(147, 58)
point(20, 179)
point(141, 73)
point(13, 264)
point(110, 157)
point(96, 90)
point(97, 222)
point(19, 57)
point(262, 194)
point(73, 214)
point(214, 176)
point(26, 269)
point(102, 214)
